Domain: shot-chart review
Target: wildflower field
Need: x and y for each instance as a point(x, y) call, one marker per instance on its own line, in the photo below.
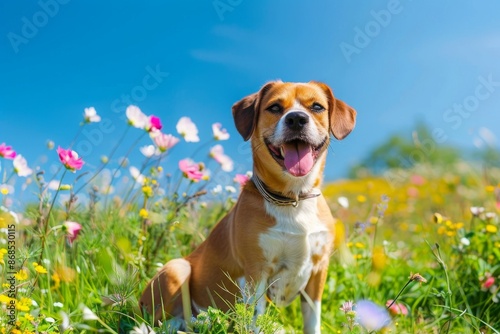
point(418, 248)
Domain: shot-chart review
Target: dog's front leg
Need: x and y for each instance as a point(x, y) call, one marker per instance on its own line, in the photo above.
point(311, 302)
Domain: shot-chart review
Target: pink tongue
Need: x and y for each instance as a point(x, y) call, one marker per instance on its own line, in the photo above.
point(298, 158)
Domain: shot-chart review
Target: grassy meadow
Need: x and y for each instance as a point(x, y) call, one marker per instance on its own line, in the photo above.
point(426, 235)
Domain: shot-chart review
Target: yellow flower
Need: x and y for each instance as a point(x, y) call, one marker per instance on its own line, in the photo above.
point(160, 169)
point(491, 228)
point(497, 244)
point(21, 275)
point(57, 280)
point(379, 259)
point(4, 190)
point(438, 218)
point(148, 191)
point(373, 220)
point(441, 230)
point(25, 301)
point(29, 317)
point(349, 244)
point(65, 274)
point(490, 189)
point(359, 245)
point(5, 285)
point(143, 213)
point(361, 198)
point(458, 226)
point(39, 269)
point(4, 299)
point(16, 331)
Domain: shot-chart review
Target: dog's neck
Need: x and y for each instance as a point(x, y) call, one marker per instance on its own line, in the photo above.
point(285, 185)
point(279, 199)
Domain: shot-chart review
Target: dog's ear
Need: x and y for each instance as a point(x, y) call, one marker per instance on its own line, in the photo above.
point(342, 116)
point(245, 112)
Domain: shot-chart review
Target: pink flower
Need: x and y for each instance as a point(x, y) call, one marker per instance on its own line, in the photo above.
point(417, 180)
point(72, 230)
point(191, 170)
point(7, 152)
point(412, 192)
point(219, 132)
point(217, 153)
point(154, 124)
point(188, 130)
point(396, 308)
point(347, 306)
point(488, 283)
point(165, 142)
point(241, 179)
point(70, 159)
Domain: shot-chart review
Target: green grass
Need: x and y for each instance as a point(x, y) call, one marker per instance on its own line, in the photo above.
point(92, 285)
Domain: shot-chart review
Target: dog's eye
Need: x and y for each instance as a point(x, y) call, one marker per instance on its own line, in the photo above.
point(275, 108)
point(317, 107)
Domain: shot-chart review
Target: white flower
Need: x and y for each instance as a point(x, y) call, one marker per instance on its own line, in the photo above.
point(217, 189)
point(187, 129)
point(136, 117)
point(142, 329)
point(490, 215)
point(21, 166)
point(88, 314)
point(148, 151)
point(231, 189)
point(465, 241)
point(219, 132)
point(6, 189)
point(136, 174)
point(476, 210)
point(58, 304)
point(65, 321)
point(54, 185)
point(343, 201)
point(90, 115)
point(50, 320)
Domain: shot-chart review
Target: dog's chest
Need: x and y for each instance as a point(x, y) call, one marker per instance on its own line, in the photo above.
point(293, 249)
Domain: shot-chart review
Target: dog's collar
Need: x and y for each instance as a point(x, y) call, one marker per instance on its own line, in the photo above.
point(278, 199)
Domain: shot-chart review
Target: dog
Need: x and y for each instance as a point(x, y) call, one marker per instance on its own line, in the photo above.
point(279, 236)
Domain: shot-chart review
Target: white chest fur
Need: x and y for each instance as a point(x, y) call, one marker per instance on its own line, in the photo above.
point(290, 246)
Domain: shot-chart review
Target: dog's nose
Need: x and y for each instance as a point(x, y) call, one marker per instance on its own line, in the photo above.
point(296, 120)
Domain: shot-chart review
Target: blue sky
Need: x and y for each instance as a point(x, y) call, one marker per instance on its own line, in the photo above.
point(395, 62)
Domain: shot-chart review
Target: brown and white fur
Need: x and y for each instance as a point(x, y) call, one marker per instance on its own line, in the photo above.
point(281, 251)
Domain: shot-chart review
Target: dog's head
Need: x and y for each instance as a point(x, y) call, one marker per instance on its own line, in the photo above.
point(290, 125)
